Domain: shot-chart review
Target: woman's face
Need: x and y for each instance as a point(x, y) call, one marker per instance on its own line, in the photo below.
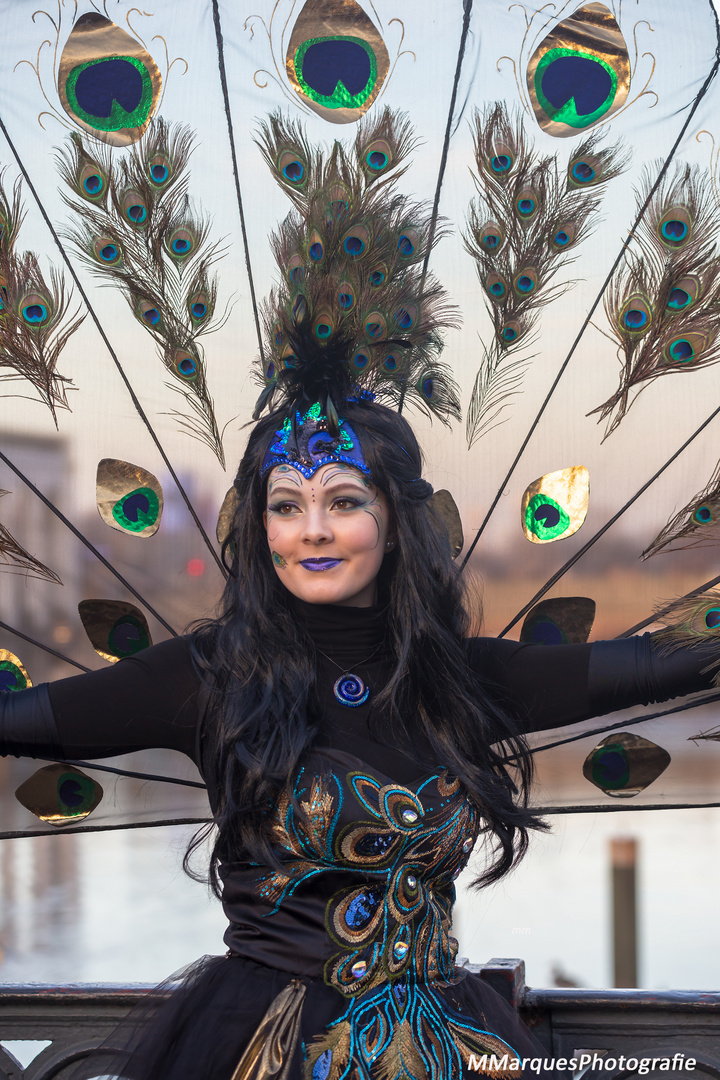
point(328, 535)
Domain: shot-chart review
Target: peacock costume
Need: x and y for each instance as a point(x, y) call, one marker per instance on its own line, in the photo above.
point(340, 960)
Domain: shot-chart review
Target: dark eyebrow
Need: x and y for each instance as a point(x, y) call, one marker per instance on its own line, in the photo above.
point(279, 487)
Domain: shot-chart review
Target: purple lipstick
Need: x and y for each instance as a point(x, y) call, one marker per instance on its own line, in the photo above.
point(320, 564)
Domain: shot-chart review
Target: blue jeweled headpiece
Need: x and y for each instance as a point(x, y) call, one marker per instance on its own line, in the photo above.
point(306, 444)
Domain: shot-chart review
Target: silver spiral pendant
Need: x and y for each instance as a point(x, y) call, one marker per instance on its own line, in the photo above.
point(350, 690)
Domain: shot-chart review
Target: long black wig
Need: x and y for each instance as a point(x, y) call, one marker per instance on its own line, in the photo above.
point(258, 664)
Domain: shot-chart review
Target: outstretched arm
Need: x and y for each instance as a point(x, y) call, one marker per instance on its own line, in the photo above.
point(547, 686)
point(149, 700)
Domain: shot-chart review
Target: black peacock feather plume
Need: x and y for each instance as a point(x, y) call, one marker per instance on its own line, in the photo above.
point(524, 226)
point(34, 328)
point(663, 305)
point(353, 311)
point(135, 228)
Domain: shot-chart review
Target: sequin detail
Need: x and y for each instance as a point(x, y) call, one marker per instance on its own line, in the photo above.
point(394, 852)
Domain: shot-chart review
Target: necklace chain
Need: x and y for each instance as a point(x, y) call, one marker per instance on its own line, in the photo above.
point(350, 690)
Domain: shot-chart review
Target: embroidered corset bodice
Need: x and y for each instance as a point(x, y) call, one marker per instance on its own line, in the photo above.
point(378, 858)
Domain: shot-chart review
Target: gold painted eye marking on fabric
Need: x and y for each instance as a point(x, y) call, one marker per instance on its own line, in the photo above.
point(560, 620)
point(115, 628)
point(591, 34)
point(555, 506)
point(94, 38)
point(319, 23)
point(8, 663)
point(226, 515)
point(117, 479)
point(478, 1043)
point(60, 794)
point(624, 764)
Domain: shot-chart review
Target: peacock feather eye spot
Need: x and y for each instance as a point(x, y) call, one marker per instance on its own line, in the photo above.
point(127, 636)
point(361, 360)
point(703, 515)
point(501, 163)
point(427, 386)
point(712, 618)
point(137, 510)
point(93, 184)
point(316, 251)
point(405, 318)
point(151, 315)
point(345, 301)
point(198, 310)
point(406, 246)
point(545, 518)
point(323, 330)
point(185, 365)
point(137, 213)
point(294, 172)
point(525, 284)
point(635, 319)
point(377, 160)
point(353, 245)
point(12, 677)
point(390, 363)
point(497, 288)
point(374, 329)
point(682, 350)
point(181, 243)
point(678, 299)
point(376, 278)
point(561, 238)
point(270, 372)
point(508, 334)
point(583, 172)
point(526, 203)
point(159, 170)
point(674, 230)
point(35, 314)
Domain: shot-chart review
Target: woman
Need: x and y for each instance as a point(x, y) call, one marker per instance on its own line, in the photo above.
point(355, 744)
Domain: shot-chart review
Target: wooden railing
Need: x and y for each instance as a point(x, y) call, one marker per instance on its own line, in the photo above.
point(608, 1027)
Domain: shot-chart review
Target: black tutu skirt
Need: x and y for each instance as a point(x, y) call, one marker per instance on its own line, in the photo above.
point(198, 1024)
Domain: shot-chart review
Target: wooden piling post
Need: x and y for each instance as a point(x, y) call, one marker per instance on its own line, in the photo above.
point(623, 859)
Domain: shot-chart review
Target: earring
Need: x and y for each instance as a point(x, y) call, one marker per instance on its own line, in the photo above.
point(390, 544)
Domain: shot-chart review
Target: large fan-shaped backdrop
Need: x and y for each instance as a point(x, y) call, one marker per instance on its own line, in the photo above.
point(567, 159)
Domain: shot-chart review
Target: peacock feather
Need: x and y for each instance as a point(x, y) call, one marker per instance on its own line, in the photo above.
point(136, 229)
point(524, 226)
point(663, 304)
point(691, 620)
point(17, 560)
point(353, 310)
point(34, 328)
point(696, 525)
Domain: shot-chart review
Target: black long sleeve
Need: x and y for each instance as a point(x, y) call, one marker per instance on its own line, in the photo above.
point(547, 686)
point(153, 699)
point(146, 701)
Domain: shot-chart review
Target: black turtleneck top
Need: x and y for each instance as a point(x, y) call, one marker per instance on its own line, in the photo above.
point(154, 699)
